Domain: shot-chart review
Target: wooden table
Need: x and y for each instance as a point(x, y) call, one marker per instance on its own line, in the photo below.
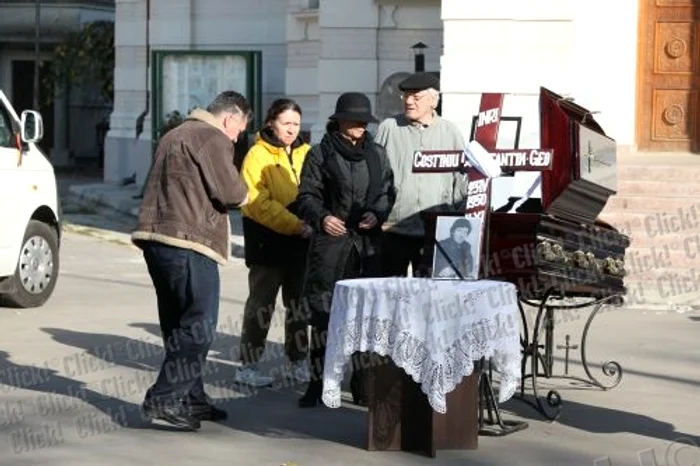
point(401, 419)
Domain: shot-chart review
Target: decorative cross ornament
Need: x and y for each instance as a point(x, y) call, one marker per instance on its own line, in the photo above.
point(566, 346)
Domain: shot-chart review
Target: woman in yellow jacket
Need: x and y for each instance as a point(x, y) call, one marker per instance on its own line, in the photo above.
point(276, 242)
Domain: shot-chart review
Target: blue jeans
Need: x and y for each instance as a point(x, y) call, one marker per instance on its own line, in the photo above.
point(187, 287)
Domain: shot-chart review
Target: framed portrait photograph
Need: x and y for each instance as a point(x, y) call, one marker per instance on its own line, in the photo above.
point(457, 250)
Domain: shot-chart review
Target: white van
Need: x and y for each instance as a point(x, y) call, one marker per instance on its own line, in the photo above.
point(30, 229)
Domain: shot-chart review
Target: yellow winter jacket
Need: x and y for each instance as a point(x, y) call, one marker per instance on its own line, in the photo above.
point(273, 184)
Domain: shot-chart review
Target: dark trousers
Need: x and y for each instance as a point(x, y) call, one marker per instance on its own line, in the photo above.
point(398, 251)
point(317, 355)
point(187, 287)
point(264, 282)
point(319, 335)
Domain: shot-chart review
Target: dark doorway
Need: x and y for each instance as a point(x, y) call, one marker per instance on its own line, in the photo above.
point(23, 97)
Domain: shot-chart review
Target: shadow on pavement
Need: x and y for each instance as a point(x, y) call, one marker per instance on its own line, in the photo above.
point(600, 420)
point(57, 396)
point(270, 412)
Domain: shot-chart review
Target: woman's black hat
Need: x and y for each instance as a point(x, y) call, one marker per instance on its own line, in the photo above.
point(353, 106)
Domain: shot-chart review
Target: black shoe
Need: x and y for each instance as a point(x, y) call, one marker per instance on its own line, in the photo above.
point(312, 397)
point(359, 401)
point(172, 415)
point(357, 389)
point(209, 413)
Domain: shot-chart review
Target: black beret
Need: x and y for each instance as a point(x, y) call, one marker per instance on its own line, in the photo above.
point(420, 81)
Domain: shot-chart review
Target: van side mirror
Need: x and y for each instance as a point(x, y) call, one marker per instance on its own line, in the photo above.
point(32, 126)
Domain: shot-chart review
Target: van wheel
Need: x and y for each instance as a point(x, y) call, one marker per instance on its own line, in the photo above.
point(37, 267)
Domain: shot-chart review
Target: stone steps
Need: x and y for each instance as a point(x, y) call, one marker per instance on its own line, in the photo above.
point(655, 227)
point(662, 294)
point(642, 260)
point(653, 202)
point(671, 188)
point(685, 171)
point(686, 241)
point(658, 205)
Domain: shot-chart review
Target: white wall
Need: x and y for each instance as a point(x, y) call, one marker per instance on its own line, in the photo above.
point(604, 71)
point(515, 47)
point(487, 50)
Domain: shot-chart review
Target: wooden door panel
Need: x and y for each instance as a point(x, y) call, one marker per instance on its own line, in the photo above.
point(669, 66)
point(675, 48)
point(674, 115)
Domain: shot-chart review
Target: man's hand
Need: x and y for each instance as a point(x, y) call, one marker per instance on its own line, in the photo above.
point(368, 221)
point(333, 226)
point(245, 201)
point(306, 231)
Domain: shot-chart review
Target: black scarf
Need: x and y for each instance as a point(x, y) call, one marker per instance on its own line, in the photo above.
point(362, 151)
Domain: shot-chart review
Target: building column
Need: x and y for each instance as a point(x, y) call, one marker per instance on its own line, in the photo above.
point(348, 61)
point(127, 152)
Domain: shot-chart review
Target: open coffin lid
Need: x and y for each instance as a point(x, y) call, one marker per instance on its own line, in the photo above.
point(584, 167)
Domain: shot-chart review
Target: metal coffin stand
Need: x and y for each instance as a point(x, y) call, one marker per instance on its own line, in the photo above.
point(559, 248)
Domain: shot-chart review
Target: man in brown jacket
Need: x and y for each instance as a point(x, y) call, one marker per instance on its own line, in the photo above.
point(183, 230)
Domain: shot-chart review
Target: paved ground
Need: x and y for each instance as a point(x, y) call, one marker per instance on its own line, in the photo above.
point(74, 372)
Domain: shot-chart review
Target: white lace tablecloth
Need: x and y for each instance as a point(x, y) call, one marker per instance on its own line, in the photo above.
point(433, 329)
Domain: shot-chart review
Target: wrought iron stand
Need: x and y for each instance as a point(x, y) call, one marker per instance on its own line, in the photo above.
point(489, 426)
point(541, 355)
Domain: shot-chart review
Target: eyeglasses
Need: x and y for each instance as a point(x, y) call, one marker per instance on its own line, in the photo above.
point(417, 96)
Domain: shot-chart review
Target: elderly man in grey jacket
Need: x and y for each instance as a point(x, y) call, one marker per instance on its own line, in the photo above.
point(419, 128)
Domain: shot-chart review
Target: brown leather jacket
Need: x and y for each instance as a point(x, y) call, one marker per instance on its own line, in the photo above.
point(192, 186)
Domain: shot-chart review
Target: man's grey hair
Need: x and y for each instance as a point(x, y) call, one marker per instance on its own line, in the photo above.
point(434, 97)
point(231, 102)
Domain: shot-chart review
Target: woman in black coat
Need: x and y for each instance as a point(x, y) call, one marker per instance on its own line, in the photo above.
point(346, 194)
